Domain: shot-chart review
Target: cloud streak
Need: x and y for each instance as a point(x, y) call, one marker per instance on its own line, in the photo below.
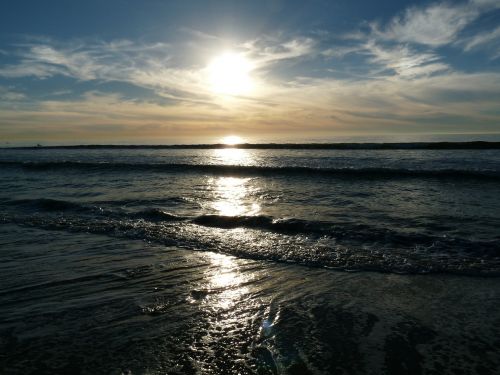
point(268, 50)
point(490, 40)
point(436, 25)
point(406, 82)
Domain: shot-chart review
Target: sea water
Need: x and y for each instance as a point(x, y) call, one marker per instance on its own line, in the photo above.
point(242, 260)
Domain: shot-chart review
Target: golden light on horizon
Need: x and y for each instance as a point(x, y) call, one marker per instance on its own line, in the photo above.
point(232, 140)
point(229, 74)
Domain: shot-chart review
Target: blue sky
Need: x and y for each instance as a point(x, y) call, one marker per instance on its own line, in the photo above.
point(140, 71)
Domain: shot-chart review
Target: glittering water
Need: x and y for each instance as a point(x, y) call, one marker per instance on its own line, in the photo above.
point(154, 261)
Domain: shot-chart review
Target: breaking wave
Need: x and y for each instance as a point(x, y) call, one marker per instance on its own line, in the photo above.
point(342, 245)
point(249, 170)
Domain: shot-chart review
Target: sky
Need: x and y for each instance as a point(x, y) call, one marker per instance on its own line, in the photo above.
point(151, 71)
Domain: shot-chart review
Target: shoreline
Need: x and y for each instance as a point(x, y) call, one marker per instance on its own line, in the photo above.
point(148, 308)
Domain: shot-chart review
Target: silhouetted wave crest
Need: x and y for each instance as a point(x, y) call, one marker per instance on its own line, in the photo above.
point(343, 245)
point(250, 170)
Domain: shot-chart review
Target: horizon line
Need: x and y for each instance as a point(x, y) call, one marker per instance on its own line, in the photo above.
point(438, 145)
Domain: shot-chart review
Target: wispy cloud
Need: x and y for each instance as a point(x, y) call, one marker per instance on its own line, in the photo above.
point(8, 95)
point(407, 81)
point(267, 50)
point(452, 102)
point(490, 39)
point(408, 45)
point(434, 25)
point(404, 61)
point(144, 65)
point(486, 4)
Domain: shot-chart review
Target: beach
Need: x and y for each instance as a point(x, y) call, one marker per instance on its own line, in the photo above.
point(266, 187)
point(102, 305)
point(284, 262)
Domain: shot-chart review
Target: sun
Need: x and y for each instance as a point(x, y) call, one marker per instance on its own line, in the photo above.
point(229, 74)
point(231, 140)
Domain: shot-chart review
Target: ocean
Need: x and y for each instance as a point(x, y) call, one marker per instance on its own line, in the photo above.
point(272, 259)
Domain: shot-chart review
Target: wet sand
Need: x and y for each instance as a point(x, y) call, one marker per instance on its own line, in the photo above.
point(78, 303)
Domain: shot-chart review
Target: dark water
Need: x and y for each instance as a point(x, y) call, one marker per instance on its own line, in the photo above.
point(150, 261)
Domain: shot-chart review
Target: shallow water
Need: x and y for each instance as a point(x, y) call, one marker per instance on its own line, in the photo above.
point(76, 303)
point(411, 211)
point(234, 261)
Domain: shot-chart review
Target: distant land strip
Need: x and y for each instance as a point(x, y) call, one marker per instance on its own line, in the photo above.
point(476, 145)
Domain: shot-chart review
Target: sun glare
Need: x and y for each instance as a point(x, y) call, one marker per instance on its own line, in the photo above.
point(229, 74)
point(232, 140)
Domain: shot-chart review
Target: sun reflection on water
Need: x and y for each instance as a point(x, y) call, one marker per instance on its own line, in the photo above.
point(232, 197)
point(227, 280)
point(232, 156)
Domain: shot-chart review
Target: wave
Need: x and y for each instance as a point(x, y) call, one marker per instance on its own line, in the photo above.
point(350, 248)
point(58, 205)
point(351, 232)
point(288, 226)
point(250, 170)
point(156, 214)
point(168, 201)
point(279, 225)
point(358, 234)
point(474, 145)
point(47, 204)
